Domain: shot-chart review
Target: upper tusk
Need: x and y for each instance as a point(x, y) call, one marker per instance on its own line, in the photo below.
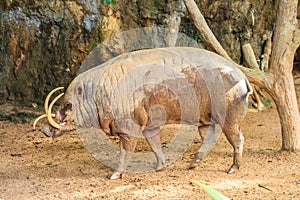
point(50, 119)
point(48, 98)
point(38, 119)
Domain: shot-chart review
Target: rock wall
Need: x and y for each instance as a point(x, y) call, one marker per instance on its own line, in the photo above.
point(43, 42)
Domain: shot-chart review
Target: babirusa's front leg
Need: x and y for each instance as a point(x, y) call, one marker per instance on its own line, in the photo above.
point(127, 147)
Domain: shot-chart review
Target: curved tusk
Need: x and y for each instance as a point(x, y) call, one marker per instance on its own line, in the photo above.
point(48, 98)
point(46, 106)
point(38, 119)
point(50, 119)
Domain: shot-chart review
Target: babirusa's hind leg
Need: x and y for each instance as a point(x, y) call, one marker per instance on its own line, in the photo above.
point(155, 144)
point(236, 139)
point(208, 142)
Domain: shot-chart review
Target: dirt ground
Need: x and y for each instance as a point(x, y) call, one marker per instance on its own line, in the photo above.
point(33, 166)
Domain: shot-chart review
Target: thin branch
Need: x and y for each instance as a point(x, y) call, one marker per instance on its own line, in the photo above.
point(265, 57)
point(259, 105)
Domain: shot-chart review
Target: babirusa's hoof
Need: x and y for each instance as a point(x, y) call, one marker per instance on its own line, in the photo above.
point(160, 167)
point(232, 169)
point(196, 160)
point(193, 165)
point(116, 175)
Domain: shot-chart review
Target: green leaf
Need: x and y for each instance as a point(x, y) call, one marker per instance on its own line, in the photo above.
point(110, 2)
point(214, 194)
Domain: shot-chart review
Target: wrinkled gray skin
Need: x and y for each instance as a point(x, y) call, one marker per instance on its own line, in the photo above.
point(193, 86)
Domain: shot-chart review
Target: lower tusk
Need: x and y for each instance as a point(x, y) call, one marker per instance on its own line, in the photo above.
point(50, 119)
point(38, 119)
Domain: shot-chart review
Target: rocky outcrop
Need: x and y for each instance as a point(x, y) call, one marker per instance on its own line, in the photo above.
point(43, 43)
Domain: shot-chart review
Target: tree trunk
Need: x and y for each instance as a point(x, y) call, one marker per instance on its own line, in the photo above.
point(285, 43)
point(287, 108)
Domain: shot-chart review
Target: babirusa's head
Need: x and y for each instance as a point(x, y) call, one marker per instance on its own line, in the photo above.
point(60, 121)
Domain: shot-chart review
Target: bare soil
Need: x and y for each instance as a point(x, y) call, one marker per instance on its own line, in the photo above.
point(33, 166)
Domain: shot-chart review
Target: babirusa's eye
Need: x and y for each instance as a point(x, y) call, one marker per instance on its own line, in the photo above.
point(68, 106)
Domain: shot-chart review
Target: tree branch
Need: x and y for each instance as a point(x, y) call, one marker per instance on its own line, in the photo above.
point(205, 31)
point(257, 77)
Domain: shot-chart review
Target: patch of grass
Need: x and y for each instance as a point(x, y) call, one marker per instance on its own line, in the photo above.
point(15, 116)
